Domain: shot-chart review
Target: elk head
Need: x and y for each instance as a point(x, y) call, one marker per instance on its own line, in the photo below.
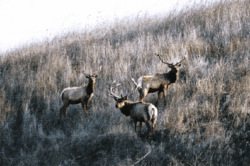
point(92, 77)
point(172, 66)
point(120, 100)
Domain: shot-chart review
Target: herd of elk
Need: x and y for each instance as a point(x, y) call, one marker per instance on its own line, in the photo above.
point(160, 82)
point(138, 111)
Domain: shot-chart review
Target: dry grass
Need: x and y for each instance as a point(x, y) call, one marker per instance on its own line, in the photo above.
point(206, 117)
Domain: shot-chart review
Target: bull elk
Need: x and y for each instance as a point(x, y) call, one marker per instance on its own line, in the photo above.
point(138, 111)
point(160, 82)
point(76, 95)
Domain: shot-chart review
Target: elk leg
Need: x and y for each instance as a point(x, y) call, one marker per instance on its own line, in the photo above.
point(88, 100)
point(165, 93)
point(135, 124)
point(159, 96)
point(149, 130)
point(140, 126)
point(143, 94)
point(153, 125)
point(63, 109)
point(141, 97)
point(84, 105)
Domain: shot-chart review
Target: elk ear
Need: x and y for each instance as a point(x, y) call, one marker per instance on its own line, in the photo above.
point(178, 65)
point(170, 65)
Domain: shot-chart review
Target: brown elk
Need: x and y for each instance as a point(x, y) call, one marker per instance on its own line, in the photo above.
point(76, 95)
point(138, 111)
point(160, 82)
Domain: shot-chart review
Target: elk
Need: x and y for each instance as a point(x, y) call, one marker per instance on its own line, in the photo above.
point(160, 82)
point(138, 111)
point(76, 95)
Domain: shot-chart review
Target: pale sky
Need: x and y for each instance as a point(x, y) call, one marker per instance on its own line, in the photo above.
point(26, 21)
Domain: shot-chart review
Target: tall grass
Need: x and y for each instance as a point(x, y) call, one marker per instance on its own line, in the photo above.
point(205, 120)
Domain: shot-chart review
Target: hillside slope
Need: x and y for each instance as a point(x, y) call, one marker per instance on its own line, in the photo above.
point(204, 121)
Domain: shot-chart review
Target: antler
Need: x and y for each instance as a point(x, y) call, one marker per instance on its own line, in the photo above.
point(135, 85)
point(111, 89)
point(181, 60)
point(100, 68)
point(86, 74)
point(162, 60)
point(132, 92)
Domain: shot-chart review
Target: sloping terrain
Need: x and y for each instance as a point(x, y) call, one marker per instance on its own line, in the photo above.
point(205, 120)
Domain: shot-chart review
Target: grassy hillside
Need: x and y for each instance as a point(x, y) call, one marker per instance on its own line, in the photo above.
point(205, 120)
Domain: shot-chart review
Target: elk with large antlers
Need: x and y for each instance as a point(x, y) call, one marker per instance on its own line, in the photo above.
point(138, 111)
point(160, 82)
point(76, 95)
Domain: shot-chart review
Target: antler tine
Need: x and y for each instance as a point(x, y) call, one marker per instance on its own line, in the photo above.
point(181, 60)
point(100, 68)
point(132, 92)
point(85, 74)
point(111, 88)
point(162, 60)
point(115, 85)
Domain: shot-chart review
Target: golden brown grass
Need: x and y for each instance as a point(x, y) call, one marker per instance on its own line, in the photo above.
point(204, 121)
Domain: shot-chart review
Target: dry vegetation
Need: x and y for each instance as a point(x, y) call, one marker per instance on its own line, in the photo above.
point(205, 120)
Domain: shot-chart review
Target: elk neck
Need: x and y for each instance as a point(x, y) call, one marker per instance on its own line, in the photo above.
point(126, 108)
point(173, 75)
point(90, 87)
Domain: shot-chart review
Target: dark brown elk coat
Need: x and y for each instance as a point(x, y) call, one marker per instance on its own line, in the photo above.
point(138, 111)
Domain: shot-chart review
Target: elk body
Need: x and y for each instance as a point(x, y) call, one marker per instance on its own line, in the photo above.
point(76, 95)
point(160, 82)
point(138, 111)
